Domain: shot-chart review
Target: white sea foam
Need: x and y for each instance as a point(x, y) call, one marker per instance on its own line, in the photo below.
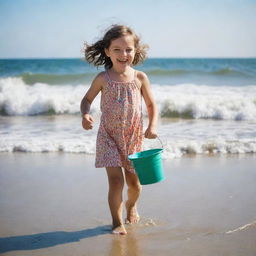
point(64, 133)
point(17, 98)
point(25, 130)
point(244, 227)
point(86, 144)
point(207, 102)
point(185, 101)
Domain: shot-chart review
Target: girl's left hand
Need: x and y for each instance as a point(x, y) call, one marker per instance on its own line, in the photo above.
point(150, 133)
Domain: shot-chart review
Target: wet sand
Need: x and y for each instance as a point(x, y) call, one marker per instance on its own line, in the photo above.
point(56, 204)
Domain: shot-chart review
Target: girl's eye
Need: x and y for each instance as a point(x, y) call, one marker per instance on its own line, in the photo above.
point(129, 50)
point(116, 50)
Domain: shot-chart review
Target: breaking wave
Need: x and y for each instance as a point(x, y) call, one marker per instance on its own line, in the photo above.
point(180, 101)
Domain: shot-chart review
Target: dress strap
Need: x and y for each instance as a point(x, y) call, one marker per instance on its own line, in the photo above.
point(134, 79)
point(107, 76)
point(135, 73)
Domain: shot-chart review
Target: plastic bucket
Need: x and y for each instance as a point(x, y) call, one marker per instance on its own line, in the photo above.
point(148, 165)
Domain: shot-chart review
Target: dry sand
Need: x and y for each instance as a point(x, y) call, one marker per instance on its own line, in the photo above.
point(56, 204)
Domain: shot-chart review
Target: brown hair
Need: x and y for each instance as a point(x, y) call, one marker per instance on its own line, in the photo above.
point(95, 53)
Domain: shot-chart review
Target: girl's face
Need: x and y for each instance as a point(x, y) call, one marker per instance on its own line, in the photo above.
point(121, 52)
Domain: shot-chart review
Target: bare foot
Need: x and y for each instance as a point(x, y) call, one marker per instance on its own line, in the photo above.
point(119, 230)
point(132, 214)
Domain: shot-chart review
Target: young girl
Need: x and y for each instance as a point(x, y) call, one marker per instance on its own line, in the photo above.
point(120, 132)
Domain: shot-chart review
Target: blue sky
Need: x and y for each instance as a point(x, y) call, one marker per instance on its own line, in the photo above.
point(172, 28)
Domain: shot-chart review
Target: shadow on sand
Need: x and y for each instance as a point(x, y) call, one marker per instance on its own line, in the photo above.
point(44, 240)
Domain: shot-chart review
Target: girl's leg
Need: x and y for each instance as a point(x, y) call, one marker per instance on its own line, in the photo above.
point(115, 199)
point(134, 189)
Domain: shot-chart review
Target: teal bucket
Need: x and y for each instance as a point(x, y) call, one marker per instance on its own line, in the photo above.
point(148, 165)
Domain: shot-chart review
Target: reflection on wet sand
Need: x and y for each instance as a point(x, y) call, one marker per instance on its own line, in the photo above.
point(125, 245)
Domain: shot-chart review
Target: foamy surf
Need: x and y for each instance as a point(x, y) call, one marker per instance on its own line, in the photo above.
point(187, 101)
point(173, 150)
point(207, 102)
point(65, 134)
point(18, 98)
point(244, 227)
point(206, 106)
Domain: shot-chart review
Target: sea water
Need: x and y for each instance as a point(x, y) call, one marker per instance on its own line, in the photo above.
point(206, 106)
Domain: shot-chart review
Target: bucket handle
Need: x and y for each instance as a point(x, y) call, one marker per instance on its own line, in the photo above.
point(157, 137)
point(160, 142)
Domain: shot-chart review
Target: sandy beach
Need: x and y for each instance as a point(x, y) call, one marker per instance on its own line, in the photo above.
point(56, 204)
point(194, 60)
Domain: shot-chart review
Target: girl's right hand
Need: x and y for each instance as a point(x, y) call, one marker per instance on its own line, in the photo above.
point(87, 122)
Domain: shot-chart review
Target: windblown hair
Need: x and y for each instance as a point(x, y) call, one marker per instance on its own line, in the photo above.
point(95, 53)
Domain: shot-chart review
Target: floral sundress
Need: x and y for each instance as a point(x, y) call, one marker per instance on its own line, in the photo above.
point(121, 125)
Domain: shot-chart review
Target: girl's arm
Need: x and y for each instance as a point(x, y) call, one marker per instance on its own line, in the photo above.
point(150, 132)
point(96, 86)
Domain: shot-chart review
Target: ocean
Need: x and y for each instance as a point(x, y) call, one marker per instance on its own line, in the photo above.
point(206, 106)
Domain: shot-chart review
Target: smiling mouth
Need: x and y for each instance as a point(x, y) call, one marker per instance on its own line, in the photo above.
point(122, 61)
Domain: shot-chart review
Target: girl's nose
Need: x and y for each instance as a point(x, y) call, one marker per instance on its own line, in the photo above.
point(124, 53)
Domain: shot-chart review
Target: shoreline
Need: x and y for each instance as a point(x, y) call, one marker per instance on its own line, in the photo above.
point(56, 204)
